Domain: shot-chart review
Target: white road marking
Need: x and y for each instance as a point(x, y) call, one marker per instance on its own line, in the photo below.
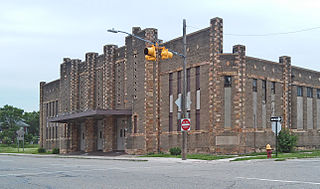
point(284, 181)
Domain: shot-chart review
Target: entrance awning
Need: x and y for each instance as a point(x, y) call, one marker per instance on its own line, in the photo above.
point(98, 114)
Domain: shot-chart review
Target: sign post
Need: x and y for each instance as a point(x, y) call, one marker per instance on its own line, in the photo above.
point(276, 120)
point(20, 136)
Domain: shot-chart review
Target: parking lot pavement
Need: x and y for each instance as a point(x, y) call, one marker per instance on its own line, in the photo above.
point(48, 172)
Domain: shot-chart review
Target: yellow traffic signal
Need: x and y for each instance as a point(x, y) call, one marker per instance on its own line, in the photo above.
point(150, 53)
point(165, 54)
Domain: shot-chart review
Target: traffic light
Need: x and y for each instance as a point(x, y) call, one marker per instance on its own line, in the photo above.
point(150, 53)
point(165, 54)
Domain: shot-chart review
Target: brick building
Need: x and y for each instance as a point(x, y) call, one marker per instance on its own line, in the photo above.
point(120, 101)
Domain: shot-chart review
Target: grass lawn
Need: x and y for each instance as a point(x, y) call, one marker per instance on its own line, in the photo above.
point(192, 156)
point(28, 149)
point(283, 156)
point(262, 155)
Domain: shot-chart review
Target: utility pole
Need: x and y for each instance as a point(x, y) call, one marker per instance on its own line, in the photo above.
point(184, 94)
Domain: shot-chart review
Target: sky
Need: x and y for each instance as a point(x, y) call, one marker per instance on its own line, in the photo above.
point(35, 35)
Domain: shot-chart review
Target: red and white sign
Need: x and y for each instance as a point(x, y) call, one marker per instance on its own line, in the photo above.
point(185, 124)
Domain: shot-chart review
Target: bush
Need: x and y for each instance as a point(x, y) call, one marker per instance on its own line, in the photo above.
point(28, 138)
point(41, 150)
point(55, 151)
point(6, 140)
point(286, 141)
point(175, 151)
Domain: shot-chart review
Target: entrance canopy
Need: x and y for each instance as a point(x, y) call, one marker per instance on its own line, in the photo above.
point(98, 114)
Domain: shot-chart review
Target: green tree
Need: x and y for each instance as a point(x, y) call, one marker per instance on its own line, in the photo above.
point(9, 115)
point(32, 119)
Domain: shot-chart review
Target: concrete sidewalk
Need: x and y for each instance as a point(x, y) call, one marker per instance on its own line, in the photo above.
point(124, 157)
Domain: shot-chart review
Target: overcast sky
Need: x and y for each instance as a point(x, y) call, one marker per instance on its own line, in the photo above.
point(35, 35)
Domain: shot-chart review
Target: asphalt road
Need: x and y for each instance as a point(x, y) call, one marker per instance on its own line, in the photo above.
point(46, 172)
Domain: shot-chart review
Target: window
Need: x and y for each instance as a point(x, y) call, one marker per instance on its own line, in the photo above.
point(188, 80)
point(273, 87)
point(53, 109)
point(309, 92)
point(56, 131)
point(47, 110)
point(170, 101)
point(264, 90)
point(179, 82)
point(170, 122)
point(198, 78)
point(57, 108)
point(198, 98)
point(299, 91)
point(318, 93)
point(135, 124)
point(49, 114)
point(170, 83)
point(254, 85)
point(227, 81)
point(197, 119)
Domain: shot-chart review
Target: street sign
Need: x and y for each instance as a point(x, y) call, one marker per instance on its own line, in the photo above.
point(20, 133)
point(274, 129)
point(178, 102)
point(185, 124)
point(20, 136)
point(275, 118)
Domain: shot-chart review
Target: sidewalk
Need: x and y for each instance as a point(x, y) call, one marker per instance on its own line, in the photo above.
point(124, 157)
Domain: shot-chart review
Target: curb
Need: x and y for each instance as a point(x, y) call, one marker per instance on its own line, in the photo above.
point(76, 157)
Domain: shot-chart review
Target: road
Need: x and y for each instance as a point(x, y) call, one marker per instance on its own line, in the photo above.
point(46, 172)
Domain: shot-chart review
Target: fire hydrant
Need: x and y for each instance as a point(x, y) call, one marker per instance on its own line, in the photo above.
point(269, 151)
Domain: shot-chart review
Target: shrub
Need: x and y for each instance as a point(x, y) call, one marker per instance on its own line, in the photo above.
point(175, 151)
point(55, 151)
point(6, 140)
point(41, 150)
point(286, 141)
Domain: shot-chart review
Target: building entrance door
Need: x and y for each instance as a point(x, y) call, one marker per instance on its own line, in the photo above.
point(100, 135)
point(82, 141)
point(121, 134)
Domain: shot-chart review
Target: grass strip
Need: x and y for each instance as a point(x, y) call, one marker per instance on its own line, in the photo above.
point(303, 154)
point(191, 156)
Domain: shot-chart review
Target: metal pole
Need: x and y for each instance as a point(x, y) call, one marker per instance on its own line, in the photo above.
point(184, 101)
point(18, 144)
point(276, 138)
point(23, 143)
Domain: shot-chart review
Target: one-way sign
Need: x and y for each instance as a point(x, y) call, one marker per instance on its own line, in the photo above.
point(275, 119)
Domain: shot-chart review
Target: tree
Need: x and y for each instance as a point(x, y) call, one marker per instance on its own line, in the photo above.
point(9, 115)
point(12, 118)
point(32, 119)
